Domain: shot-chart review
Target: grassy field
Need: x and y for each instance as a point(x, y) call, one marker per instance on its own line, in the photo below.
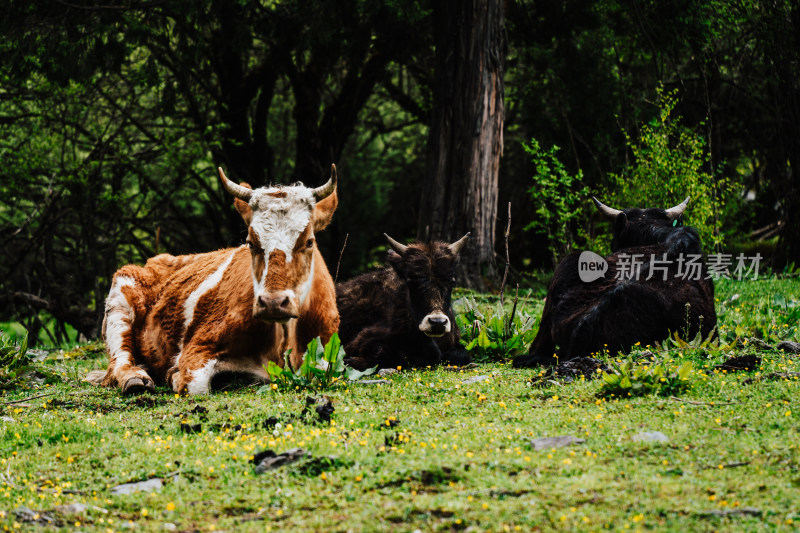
point(430, 450)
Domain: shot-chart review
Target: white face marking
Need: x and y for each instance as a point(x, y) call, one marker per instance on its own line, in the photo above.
point(119, 317)
point(278, 222)
point(305, 287)
point(201, 378)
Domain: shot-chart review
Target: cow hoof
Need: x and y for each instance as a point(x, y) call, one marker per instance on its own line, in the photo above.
point(138, 386)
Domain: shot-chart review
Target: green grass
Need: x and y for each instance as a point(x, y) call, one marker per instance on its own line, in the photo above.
point(453, 456)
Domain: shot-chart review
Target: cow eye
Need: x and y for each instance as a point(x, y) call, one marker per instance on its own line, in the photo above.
point(309, 243)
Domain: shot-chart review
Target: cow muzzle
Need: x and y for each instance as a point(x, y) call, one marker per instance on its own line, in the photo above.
point(435, 325)
point(279, 306)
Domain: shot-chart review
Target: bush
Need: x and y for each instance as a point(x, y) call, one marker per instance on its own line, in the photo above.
point(13, 360)
point(671, 162)
point(322, 367)
point(496, 335)
point(560, 198)
point(657, 378)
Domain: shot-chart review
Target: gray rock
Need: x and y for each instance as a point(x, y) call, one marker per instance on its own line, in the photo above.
point(150, 485)
point(750, 511)
point(72, 508)
point(6, 419)
point(546, 443)
point(475, 379)
point(270, 461)
point(169, 526)
point(650, 436)
point(37, 355)
point(758, 343)
point(26, 514)
point(789, 346)
point(383, 372)
point(371, 381)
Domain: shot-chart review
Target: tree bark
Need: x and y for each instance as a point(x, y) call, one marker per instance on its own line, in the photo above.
point(465, 140)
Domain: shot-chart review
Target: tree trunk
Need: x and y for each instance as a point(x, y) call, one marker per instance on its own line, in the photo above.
point(466, 134)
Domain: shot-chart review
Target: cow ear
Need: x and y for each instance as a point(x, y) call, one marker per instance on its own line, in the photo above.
point(620, 222)
point(323, 211)
point(242, 207)
point(394, 260)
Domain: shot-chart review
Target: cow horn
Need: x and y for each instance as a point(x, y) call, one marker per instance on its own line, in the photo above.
point(675, 212)
point(608, 212)
point(396, 246)
point(242, 193)
point(322, 192)
point(459, 244)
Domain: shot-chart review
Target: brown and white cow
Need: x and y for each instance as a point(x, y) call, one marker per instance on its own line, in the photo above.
point(181, 320)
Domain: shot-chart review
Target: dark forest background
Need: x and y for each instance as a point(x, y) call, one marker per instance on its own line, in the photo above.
point(114, 115)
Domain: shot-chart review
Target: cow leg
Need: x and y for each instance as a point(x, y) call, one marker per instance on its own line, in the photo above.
point(542, 350)
point(373, 346)
point(118, 335)
point(196, 366)
point(457, 355)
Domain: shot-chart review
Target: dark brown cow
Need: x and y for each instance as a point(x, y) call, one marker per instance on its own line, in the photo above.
point(401, 315)
point(583, 318)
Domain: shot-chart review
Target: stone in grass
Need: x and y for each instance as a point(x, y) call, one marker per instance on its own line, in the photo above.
point(383, 372)
point(789, 347)
point(149, 485)
point(269, 460)
point(650, 436)
point(742, 363)
point(748, 511)
point(372, 382)
point(758, 343)
point(25, 514)
point(71, 509)
point(475, 379)
point(546, 443)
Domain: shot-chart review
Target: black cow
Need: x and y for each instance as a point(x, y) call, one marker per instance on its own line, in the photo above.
point(401, 315)
point(583, 318)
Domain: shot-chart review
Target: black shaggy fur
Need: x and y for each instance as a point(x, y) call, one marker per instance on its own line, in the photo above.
point(581, 319)
point(380, 311)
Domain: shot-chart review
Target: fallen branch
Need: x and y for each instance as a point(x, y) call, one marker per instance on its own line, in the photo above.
point(750, 511)
point(729, 465)
point(505, 273)
point(341, 252)
point(29, 398)
point(676, 399)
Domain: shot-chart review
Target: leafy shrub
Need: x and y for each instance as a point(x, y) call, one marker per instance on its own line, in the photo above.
point(497, 335)
point(322, 367)
point(657, 378)
point(13, 360)
point(560, 198)
point(671, 162)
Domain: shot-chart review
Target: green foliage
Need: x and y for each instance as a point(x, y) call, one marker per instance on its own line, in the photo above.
point(323, 366)
point(660, 378)
point(496, 335)
point(13, 360)
point(558, 196)
point(671, 162)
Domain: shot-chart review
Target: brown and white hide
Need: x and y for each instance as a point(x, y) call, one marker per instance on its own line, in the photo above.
point(182, 320)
